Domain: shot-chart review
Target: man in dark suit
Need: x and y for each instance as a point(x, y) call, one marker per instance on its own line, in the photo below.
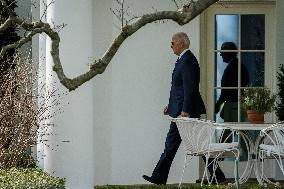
point(229, 97)
point(185, 100)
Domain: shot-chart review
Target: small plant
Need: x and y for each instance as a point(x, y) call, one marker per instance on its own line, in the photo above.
point(258, 99)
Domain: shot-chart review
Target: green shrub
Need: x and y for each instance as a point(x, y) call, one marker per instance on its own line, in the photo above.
point(280, 93)
point(31, 178)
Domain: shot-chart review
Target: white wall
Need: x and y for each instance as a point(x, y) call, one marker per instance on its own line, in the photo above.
point(102, 89)
point(130, 96)
point(114, 123)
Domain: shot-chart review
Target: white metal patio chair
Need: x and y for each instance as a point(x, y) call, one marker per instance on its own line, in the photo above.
point(273, 147)
point(198, 138)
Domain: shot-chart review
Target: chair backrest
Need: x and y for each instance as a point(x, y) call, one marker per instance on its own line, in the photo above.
point(275, 136)
point(196, 134)
point(279, 135)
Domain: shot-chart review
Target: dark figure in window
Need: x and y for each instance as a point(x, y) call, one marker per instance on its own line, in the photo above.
point(229, 97)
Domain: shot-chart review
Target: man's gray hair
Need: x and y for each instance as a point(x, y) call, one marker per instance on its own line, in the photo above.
point(181, 36)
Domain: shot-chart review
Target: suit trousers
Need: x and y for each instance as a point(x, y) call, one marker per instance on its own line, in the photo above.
point(172, 144)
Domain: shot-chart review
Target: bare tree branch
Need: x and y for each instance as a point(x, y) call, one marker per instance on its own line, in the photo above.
point(181, 16)
point(46, 6)
point(174, 1)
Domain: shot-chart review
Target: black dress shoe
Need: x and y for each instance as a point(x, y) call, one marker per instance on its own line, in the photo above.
point(151, 179)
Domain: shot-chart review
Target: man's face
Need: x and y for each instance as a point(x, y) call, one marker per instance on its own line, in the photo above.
point(227, 56)
point(176, 45)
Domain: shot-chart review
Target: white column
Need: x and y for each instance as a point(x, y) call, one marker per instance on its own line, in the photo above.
point(102, 38)
point(74, 159)
point(39, 54)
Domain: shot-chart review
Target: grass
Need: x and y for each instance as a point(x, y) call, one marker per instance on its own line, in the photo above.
point(189, 186)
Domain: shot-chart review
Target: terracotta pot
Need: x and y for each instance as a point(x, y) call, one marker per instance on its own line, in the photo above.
point(255, 117)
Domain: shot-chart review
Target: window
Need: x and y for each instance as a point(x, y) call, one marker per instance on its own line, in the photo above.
point(238, 52)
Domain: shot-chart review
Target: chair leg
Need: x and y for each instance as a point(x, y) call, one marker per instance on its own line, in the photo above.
point(237, 178)
point(205, 170)
point(213, 176)
point(214, 173)
point(280, 164)
point(182, 173)
point(262, 164)
point(214, 165)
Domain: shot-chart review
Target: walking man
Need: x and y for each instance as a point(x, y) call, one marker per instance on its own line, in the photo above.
point(185, 100)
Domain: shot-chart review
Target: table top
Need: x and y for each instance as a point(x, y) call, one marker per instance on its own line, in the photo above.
point(243, 126)
point(228, 125)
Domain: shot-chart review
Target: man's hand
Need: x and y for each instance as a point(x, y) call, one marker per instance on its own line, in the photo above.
point(166, 110)
point(184, 114)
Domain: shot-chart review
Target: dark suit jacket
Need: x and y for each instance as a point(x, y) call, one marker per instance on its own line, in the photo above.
point(230, 79)
point(184, 95)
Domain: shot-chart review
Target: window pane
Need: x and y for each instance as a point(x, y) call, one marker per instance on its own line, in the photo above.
point(219, 69)
point(253, 32)
point(243, 114)
point(227, 29)
point(226, 70)
point(217, 116)
point(254, 63)
point(226, 105)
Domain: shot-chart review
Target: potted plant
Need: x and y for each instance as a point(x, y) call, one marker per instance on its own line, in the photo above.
point(257, 101)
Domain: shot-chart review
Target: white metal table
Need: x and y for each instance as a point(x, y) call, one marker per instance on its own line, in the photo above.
point(253, 163)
